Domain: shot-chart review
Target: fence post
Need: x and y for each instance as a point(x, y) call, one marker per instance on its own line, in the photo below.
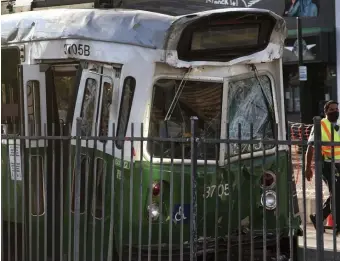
point(193, 209)
point(318, 189)
point(77, 191)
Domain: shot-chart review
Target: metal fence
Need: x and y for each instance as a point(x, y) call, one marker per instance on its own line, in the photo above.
point(191, 197)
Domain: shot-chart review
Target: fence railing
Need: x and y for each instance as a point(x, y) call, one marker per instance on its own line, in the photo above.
point(185, 196)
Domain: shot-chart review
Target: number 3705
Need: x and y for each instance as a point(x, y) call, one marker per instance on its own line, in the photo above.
point(221, 190)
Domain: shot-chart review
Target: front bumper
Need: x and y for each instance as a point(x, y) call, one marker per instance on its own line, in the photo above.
point(210, 247)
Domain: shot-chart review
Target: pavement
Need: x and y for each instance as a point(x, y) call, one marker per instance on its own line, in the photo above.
point(330, 253)
point(310, 186)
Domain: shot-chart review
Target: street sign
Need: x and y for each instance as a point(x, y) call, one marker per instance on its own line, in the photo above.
point(303, 73)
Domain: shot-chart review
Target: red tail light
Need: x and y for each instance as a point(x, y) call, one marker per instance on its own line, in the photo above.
point(268, 179)
point(156, 189)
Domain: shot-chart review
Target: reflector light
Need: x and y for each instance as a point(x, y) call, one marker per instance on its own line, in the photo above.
point(268, 179)
point(156, 189)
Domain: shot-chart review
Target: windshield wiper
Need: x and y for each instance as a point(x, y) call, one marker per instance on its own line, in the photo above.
point(269, 108)
point(177, 95)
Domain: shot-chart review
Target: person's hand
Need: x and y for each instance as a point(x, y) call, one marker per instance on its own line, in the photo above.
point(309, 173)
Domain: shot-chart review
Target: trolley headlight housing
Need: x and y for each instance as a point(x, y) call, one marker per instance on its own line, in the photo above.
point(268, 200)
point(268, 180)
point(153, 210)
point(156, 189)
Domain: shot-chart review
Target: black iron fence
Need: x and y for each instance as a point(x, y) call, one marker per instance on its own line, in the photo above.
point(193, 196)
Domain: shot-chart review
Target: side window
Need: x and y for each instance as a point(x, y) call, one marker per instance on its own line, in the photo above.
point(105, 110)
point(33, 108)
point(37, 182)
point(10, 91)
point(98, 200)
point(125, 108)
point(84, 170)
point(10, 108)
point(65, 89)
point(88, 107)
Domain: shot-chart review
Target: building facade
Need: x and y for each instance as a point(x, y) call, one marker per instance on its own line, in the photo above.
point(337, 30)
point(320, 35)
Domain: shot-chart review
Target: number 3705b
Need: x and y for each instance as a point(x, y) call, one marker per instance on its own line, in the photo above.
point(77, 49)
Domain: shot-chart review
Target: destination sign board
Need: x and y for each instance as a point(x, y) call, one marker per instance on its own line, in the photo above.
point(225, 37)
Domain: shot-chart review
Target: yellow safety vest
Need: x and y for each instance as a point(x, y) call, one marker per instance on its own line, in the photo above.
point(326, 135)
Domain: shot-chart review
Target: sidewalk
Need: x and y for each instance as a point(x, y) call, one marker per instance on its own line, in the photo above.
point(310, 186)
point(311, 246)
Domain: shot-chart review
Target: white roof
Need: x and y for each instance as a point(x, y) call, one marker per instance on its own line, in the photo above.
point(141, 28)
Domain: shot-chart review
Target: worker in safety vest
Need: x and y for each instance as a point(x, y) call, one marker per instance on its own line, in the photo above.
point(331, 121)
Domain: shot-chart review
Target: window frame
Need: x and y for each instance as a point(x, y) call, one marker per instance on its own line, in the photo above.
point(58, 78)
point(12, 106)
point(41, 159)
point(8, 52)
point(133, 85)
point(102, 178)
point(100, 111)
point(37, 131)
point(147, 156)
point(271, 93)
point(94, 116)
point(222, 159)
point(87, 159)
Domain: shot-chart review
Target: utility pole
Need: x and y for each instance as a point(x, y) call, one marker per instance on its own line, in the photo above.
point(302, 70)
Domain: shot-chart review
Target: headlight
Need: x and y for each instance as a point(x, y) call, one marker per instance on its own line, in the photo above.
point(270, 203)
point(153, 210)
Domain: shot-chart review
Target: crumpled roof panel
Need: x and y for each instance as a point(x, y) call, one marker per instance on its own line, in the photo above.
point(140, 28)
point(135, 27)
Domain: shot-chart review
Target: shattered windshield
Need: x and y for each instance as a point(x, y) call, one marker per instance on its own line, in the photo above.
point(250, 101)
point(201, 99)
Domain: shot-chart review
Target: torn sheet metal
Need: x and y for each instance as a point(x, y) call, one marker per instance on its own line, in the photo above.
point(273, 51)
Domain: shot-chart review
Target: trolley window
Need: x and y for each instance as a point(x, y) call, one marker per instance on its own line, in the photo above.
point(201, 99)
point(36, 188)
point(10, 91)
point(10, 108)
point(106, 106)
point(65, 89)
point(99, 190)
point(125, 109)
point(250, 101)
point(33, 108)
point(84, 170)
point(88, 107)
point(225, 37)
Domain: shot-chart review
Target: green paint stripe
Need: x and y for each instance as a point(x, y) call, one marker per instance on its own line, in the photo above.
point(309, 31)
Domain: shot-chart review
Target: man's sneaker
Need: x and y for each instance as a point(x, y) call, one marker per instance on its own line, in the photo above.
point(313, 219)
